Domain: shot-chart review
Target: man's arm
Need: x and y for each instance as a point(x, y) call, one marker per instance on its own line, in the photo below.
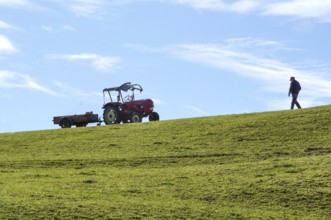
point(290, 89)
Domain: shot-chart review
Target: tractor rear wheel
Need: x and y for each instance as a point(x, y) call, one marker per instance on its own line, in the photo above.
point(111, 115)
point(136, 117)
point(154, 116)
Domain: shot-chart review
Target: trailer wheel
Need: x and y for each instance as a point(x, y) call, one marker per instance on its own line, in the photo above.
point(65, 123)
point(111, 115)
point(135, 117)
point(154, 116)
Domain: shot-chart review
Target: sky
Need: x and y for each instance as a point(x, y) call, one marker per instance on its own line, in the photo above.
point(193, 58)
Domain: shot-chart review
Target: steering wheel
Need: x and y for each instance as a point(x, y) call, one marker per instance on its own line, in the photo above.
point(128, 98)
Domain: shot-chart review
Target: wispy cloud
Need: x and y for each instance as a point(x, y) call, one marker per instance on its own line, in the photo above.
point(100, 63)
point(219, 5)
point(12, 80)
point(95, 8)
point(203, 4)
point(317, 9)
point(50, 28)
point(272, 72)
point(4, 25)
point(68, 27)
point(24, 4)
point(15, 3)
point(74, 92)
point(85, 7)
point(47, 28)
point(6, 45)
point(196, 110)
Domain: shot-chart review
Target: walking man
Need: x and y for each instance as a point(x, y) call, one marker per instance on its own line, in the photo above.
point(294, 90)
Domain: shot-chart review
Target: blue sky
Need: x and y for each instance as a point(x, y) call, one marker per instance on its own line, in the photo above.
point(192, 57)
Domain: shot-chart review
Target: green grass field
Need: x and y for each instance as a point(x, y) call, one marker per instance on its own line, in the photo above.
point(273, 165)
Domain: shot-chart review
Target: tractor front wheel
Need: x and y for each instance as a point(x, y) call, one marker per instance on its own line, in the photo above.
point(111, 115)
point(154, 116)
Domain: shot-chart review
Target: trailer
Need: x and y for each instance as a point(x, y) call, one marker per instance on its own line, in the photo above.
point(76, 120)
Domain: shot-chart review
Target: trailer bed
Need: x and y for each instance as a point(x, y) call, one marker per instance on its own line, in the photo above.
point(80, 120)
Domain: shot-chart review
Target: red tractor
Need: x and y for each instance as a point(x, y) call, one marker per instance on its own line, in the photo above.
point(127, 109)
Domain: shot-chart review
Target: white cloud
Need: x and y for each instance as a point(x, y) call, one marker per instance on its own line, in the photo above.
point(196, 110)
point(65, 27)
point(273, 73)
point(4, 25)
point(203, 4)
point(11, 80)
point(85, 7)
point(75, 92)
point(158, 101)
point(14, 3)
point(319, 9)
point(105, 63)
point(68, 27)
point(47, 28)
point(240, 6)
point(94, 8)
point(100, 63)
point(245, 5)
point(25, 4)
point(6, 46)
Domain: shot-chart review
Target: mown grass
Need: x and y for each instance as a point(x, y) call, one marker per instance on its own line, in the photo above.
point(273, 165)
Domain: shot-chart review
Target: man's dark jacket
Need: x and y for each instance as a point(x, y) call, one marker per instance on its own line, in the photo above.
point(295, 87)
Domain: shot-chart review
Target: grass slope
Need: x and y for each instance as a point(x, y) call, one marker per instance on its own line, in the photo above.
point(273, 165)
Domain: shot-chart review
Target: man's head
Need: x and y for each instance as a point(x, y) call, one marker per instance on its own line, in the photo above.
point(292, 78)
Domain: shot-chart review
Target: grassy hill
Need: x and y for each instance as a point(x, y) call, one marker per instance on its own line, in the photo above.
point(273, 165)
